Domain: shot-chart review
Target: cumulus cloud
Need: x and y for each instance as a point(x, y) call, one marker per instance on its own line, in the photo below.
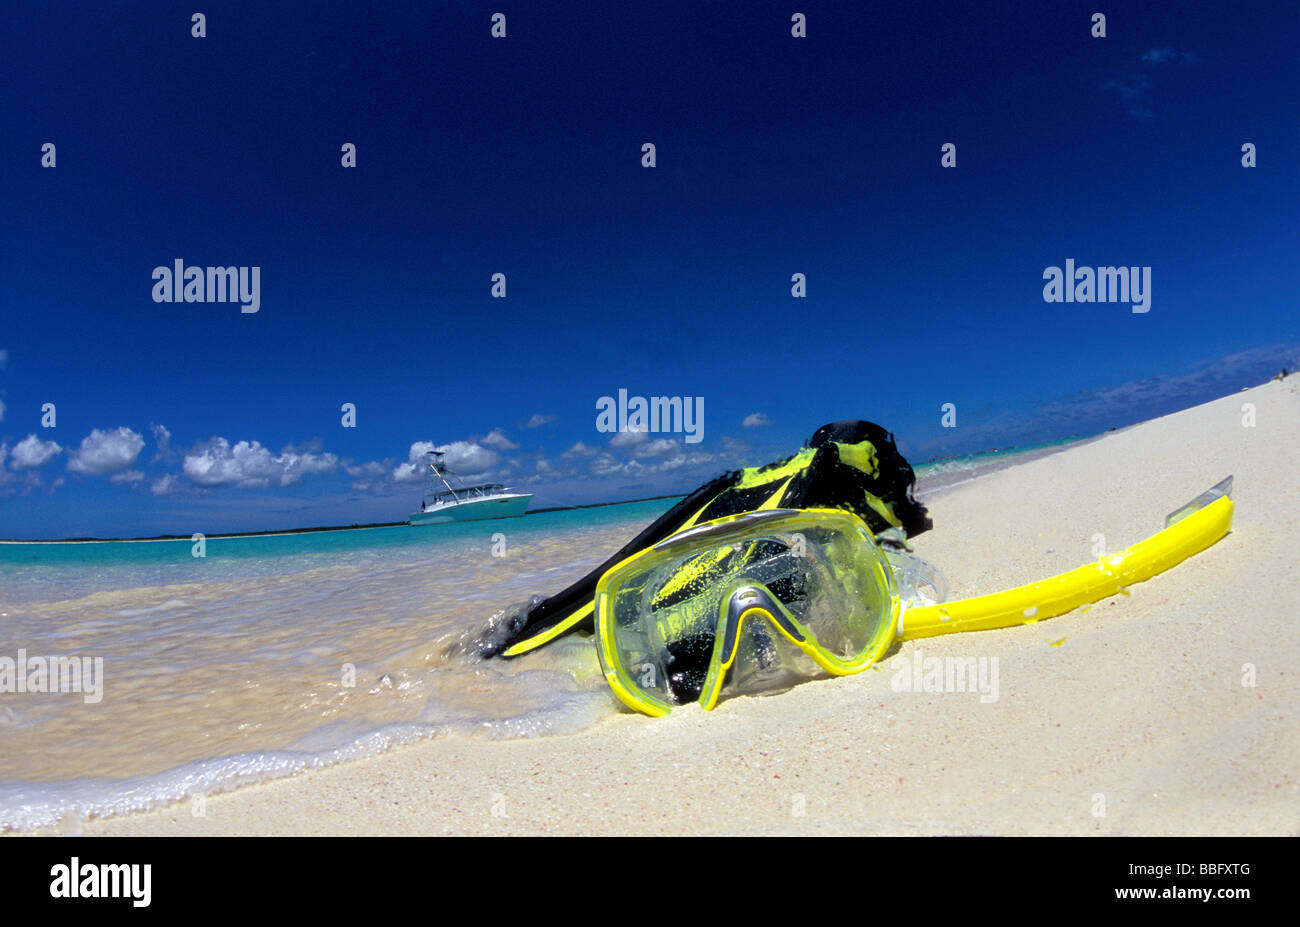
point(126, 476)
point(677, 461)
point(162, 438)
point(538, 420)
point(305, 447)
point(674, 457)
point(104, 452)
point(606, 464)
point(660, 447)
point(32, 452)
point(630, 438)
point(372, 469)
point(755, 420)
point(578, 450)
point(497, 438)
point(249, 465)
point(165, 485)
point(368, 475)
point(415, 467)
point(465, 458)
point(468, 458)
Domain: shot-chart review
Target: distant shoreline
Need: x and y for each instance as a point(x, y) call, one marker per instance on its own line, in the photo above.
point(291, 531)
point(1048, 447)
point(1034, 449)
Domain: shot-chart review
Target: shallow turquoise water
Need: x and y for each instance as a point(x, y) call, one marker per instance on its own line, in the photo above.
point(35, 572)
point(276, 653)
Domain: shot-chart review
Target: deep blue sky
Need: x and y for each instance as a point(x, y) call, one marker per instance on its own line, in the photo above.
point(522, 155)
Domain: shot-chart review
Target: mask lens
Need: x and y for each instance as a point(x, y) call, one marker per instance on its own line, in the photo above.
point(663, 610)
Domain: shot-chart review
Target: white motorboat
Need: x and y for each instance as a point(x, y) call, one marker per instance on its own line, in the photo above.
point(466, 503)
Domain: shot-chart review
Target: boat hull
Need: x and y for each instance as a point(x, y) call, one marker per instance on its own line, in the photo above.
point(511, 506)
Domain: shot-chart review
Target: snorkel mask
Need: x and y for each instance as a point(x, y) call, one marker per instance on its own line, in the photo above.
point(758, 601)
point(766, 599)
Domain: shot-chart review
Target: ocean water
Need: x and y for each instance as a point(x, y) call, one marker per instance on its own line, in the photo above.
point(275, 654)
point(939, 475)
point(278, 653)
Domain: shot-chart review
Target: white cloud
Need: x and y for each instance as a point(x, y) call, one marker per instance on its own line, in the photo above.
point(578, 450)
point(538, 420)
point(673, 457)
point(630, 438)
point(299, 465)
point(163, 439)
point(678, 461)
point(414, 468)
point(372, 469)
point(217, 463)
point(305, 447)
point(660, 447)
point(755, 420)
point(496, 438)
point(606, 464)
point(104, 452)
point(31, 451)
point(369, 475)
point(165, 485)
point(685, 459)
point(126, 476)
point(2, 411)
point(249, 465)
point(464, 458)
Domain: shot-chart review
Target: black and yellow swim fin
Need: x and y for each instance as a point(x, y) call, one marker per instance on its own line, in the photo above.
point(853, 465)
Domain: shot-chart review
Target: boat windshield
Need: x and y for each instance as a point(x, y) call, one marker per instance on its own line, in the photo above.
point(467, 492)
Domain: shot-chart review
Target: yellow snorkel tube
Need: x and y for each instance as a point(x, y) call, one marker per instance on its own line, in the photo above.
point(1188, 531)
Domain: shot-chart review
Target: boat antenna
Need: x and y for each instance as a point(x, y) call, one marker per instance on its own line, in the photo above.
point(437, 468)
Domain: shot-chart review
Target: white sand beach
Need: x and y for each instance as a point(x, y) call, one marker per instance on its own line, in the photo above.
point(1135, 716)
